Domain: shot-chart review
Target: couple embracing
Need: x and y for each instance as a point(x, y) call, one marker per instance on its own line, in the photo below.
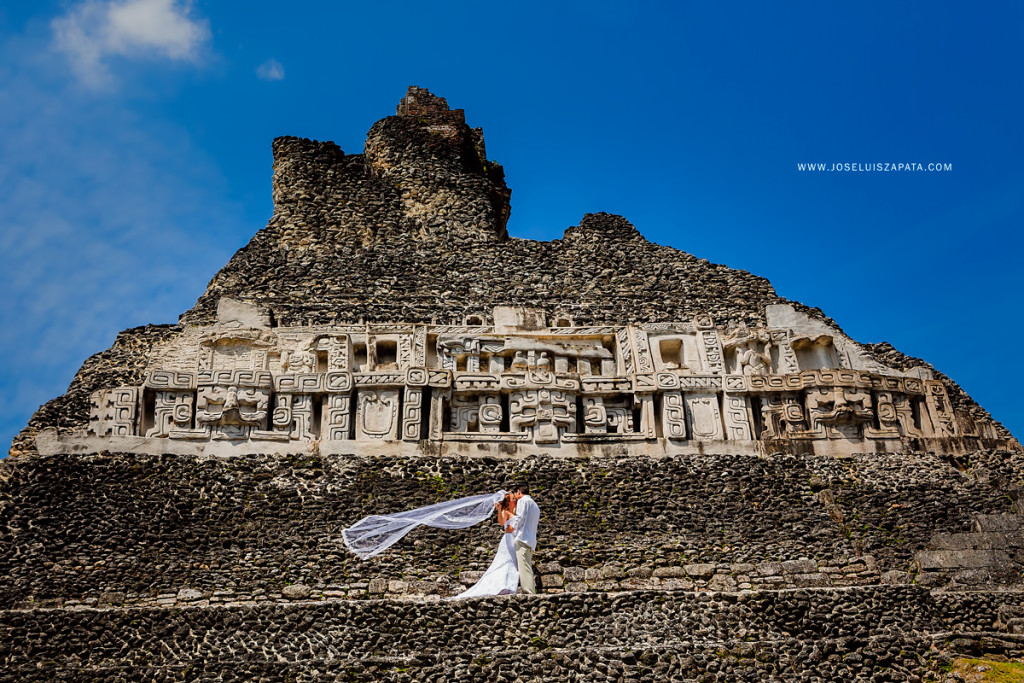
point(518, 516)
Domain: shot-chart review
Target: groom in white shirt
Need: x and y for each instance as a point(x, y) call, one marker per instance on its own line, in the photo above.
point(524, 527)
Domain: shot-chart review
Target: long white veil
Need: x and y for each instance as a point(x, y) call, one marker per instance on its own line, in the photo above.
point(374, 534)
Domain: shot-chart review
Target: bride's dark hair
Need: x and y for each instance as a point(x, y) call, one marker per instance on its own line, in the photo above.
point(506, 502)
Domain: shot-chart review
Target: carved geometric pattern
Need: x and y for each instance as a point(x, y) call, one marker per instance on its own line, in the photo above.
point(673, 415)
point(490, 414)
point(298, 383)
point(711, 350)
point(416, 377)
point(172, 411)
point(293, 416)
point(626, 348)
point(338, 382)
point(236, 377)
point(606, 385)
point(595, 417)
point(337, 417)
point(113, 412)
point(644, 363)
point(170, 379)
point(412, 413)
point(737, 418)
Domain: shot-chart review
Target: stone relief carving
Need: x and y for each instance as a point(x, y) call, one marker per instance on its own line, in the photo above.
point(337, 417)
point(710, 346)
point(377, 414)
point(704, 417)
point(232, 403)
point(839, 412)
point(673, 415)
point(412, 414)
point(293, 416)
point(547, 412)
point(750, 351)
point(682, 382)
point(943, 421)
point(337, 350)
point(737, 418)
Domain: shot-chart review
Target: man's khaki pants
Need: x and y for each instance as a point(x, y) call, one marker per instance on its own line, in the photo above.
point(524, 558)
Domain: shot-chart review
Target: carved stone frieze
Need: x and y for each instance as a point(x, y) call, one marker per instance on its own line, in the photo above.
point(170, 380)
point(942, 419)
point(338, 417)
point(293, 416)
point(673, 411)
point(681, 382)
point(412, 414)
point(231, 403)
point(737, 418)
point(710, 348)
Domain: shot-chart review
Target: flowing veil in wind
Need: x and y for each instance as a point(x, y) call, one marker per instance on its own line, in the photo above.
point(374, 534)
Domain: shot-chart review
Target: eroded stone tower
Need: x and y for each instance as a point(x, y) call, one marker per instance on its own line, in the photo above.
point(719, 470)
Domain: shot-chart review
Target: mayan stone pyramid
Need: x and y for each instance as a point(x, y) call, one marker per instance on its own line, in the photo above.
point(731, 488)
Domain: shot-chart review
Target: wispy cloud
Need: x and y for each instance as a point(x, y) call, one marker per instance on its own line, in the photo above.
point(270, 70)
point(94, 30)
point(108, 220)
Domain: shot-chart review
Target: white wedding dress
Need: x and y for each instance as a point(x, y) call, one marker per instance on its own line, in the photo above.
point(501, 578)
point(374, 534)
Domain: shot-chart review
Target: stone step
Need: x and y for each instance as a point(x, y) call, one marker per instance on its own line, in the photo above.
point(985, 540)
point(1002, 523)
point(929, 560)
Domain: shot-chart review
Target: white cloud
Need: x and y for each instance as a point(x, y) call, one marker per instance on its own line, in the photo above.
point(96, 29)
point(270, 70)
point(107, 220)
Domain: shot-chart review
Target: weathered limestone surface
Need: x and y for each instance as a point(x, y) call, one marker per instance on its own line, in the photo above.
point(731, 488)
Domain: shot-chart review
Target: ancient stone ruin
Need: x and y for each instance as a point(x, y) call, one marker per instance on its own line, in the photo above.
point(729, 484)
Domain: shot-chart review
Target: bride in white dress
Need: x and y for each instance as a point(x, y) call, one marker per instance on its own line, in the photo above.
point(374, 534)
point(502, 577)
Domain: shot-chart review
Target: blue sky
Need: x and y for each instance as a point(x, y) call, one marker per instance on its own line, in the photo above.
point(135, 151)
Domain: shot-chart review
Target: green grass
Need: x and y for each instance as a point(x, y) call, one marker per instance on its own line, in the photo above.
point(994, 672)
